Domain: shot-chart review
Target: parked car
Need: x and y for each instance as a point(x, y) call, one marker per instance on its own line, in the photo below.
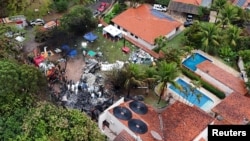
point(35, 22)
point(160, 7)
point(96, 13)
point(188, 23)
point(189, 17)
point(102, 6)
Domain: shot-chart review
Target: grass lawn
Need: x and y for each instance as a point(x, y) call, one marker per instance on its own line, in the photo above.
point(112, 51)
point(152, 99)
point(177, 41)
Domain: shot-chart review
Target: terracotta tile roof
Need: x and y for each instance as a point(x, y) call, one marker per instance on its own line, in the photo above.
point(145, 25)
point(202, 139)
point(184, 123)
point(234, 108)
point(193, 2)
point(221, 122)
point(124, 136)
point(150, 118)
point(236, 84)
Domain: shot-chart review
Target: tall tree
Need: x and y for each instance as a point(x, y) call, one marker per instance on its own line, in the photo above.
point(218, 5)
point(18, 85)
point(79, 20)
point(134, 76)
point(16, 7)
point(228, 15)
point(233, 35)
point(209, 37)
point(165, 74)
point(51, 123)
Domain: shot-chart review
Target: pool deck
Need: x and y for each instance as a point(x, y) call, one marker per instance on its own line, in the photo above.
point(215, 99)
point(220, 64)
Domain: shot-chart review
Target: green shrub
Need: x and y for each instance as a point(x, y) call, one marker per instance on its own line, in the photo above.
point(61, 5)
point(204, 84)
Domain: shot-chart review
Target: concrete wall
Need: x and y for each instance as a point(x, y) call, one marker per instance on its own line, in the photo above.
point(104, 115)
point(115, 125)
point(214, 82)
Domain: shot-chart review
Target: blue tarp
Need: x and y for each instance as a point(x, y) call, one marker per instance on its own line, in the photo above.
point(65, 48)
point(90, 36)
point(72, 53)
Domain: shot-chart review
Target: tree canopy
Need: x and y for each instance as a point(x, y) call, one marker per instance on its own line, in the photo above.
point(50, 123)
point(18, 85)
point(79, 20)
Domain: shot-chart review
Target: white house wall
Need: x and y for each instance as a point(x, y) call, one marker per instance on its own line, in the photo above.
point(214, 82)
point(172, 33)
point(104, 115)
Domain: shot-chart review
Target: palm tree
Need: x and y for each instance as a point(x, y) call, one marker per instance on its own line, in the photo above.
point(228, 14)
point(244, 17)
point(134, 76)
point(209, 37)
point(233, 35)
point(149, 77)
point(166, 73)
point(217, 5)
point(172, 54)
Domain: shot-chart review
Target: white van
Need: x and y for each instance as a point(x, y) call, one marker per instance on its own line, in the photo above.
point(160, 7)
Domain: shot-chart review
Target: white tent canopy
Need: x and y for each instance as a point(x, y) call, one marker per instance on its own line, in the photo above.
point(113, 31)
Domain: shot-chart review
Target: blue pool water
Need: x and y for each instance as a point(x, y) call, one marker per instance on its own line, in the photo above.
point(192, 61)
point(204, 103)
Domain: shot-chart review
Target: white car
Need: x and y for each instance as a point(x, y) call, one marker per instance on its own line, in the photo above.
point(37, 22)
point(160, 7)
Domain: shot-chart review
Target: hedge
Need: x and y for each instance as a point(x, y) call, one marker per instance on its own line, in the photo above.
point(204, 84)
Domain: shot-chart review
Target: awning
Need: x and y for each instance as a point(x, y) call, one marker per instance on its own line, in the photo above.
point(113, 31)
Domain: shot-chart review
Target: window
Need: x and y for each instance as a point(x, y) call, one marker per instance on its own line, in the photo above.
point(131, 34)
point(136, 37)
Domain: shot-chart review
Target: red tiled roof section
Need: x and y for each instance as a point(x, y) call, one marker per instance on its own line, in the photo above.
point(184, 123)
point(234, 108)
point(202, 139)
point(151, 119)
point(236, 84)
point(145, 25)
point(193, 2)
point(124, 136)
point(221, 122)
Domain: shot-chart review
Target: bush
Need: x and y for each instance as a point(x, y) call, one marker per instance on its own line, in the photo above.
point(204, 84)
point(61, 5)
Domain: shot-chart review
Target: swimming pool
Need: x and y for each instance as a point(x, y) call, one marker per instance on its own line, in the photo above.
point(192, 61)
point(190, 95)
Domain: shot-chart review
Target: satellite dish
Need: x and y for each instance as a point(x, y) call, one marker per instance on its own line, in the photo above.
point(122, 113)
point(138, 107)
point(156, 135)
point(137, 126)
